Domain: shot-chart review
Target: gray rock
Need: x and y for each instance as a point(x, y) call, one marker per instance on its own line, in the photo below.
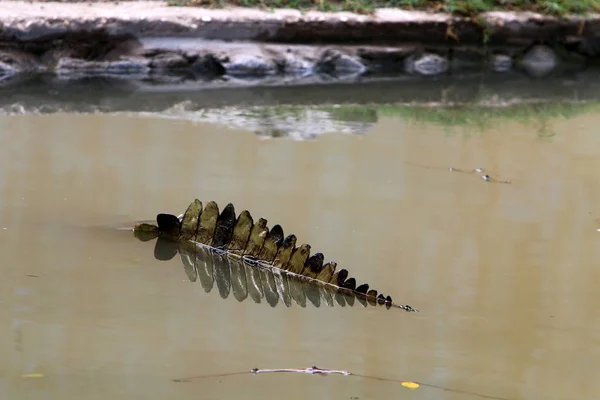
point(427, 64)
point(17, 61)
point(169, 61)
point(539, 61)
point(249, 65)
point(338, 63)
point(384, 59)
point(501, 62)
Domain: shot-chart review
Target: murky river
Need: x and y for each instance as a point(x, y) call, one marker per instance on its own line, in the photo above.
point(505, 275)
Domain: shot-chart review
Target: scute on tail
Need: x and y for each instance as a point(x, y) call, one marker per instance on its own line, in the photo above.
point(242, 237)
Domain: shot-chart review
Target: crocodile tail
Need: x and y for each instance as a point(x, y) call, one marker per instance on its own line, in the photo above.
point(242, 236)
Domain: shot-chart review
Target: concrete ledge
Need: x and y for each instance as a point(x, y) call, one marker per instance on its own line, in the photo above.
point(151, 39)
point(26, 21)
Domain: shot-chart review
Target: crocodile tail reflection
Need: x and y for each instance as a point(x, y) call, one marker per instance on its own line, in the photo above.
point(244, 278)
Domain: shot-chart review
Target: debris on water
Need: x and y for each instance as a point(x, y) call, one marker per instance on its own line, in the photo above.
point(410, 385)
point(314, 370)
point(477, 170)
point(32, 375)
point(488, 178)
point(485, 177)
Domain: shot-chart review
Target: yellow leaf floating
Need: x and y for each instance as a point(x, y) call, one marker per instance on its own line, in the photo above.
point(34, 375)
point(410, 385)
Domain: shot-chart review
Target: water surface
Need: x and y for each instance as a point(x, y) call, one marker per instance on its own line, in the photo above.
point(505, 275)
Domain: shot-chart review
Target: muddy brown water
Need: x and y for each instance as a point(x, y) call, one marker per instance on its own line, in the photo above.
point(505, 275)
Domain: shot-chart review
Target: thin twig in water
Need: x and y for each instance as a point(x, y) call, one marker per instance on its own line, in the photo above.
point(445, 389)
point(314, 370)
point(191, 378)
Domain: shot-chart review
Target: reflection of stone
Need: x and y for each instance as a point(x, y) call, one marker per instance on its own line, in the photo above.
point(298, 123)
point(539, 61)
point(7, 70)
point(247, 64)
point(426, 64)
point(501, 62)
point(125, 67)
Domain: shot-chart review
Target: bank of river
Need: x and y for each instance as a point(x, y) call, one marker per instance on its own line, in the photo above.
point(151, 40)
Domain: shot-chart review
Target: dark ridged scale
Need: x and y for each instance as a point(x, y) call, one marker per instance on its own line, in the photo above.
point(313, 265)
point(350, 284)
point(364, 288)
point(284, 253)
point(224, 227)
point(271, 245)
point(168, 224)
point(339, 277)
point(372, 297)
point(298, 259)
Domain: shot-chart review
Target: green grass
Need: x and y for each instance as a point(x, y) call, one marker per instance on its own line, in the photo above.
point(461, 7)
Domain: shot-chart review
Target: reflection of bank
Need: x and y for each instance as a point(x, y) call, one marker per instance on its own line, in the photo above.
point(247, 279)
point(299, 123)
point(307, 110)
point(133, 95)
